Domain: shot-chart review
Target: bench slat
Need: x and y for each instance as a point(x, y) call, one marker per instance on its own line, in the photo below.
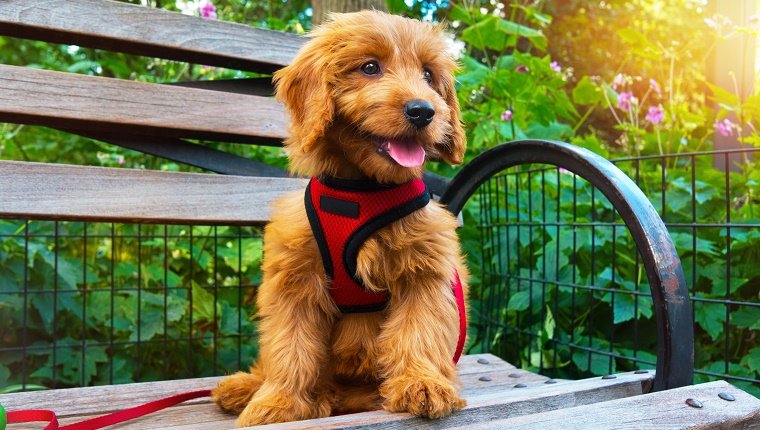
point(108, 398)
point(132, 29)
point(486, 405)
point(660, 410)
point(52, 191)
point(66, 100)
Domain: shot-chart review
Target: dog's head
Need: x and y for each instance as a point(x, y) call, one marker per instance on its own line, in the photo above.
point(371, 95)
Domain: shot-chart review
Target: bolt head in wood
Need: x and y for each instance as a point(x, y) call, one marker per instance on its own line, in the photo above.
point(520, 385)
point(485, 379)
point(725, 395)
point(609, 377)
point(514, 375)
point(550, 381)
point(694, 403)
point(483, 361)
point(641, 372)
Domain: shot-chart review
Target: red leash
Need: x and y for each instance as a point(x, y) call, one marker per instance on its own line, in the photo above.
point(35, 415)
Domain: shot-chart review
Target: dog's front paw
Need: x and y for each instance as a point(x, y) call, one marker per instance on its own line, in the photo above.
point(423, 397)
point(272, 408)
point(235, 391)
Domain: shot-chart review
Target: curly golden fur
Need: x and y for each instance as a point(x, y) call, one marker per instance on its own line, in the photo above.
point(313, 359)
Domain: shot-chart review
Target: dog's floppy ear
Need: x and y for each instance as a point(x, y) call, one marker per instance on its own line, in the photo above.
point(452, 151)
point(307, 95)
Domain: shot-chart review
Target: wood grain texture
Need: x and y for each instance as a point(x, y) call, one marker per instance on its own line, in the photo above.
point(66, 100)
point(485, 403)
point(132, 29)
point(53, 191)
point(663, 410)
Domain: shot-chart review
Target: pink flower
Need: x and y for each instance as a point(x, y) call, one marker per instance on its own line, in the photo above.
point(655, 115)
point(619, 81)
point(655, 86)
point(625, 100)
point(522, 68)
point(507, 115)
point(726, 127)
point(207, 9)
point(555, 66)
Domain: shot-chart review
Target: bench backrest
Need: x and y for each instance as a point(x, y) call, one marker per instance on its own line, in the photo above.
point(154, 118)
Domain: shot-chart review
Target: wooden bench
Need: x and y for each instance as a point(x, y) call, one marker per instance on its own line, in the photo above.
point(240, 111)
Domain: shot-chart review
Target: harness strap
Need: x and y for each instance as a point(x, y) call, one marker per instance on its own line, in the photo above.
point(43, 415)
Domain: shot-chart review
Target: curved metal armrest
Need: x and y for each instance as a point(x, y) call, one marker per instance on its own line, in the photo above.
point(672, 310)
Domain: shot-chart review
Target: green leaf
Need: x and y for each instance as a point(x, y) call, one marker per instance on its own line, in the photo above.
point(711, 317)
point(519, 301)
point(752, 359)
point(485, 34)
point(396, 7)
point(586, 92)
point(746, 317)
point(722, 96)
point(458, 13)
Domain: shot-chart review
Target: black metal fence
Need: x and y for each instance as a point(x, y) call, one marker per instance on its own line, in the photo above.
point(558, 286)
point(96, 303)
point(562, 290)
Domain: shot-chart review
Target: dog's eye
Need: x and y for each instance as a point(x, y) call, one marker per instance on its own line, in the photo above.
point(371, 68)
point(427, 76)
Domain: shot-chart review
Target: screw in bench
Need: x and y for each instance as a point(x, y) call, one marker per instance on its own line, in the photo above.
point(485, 379)
point(514, 375)
point(640, 372)
point(725, 395)
point(483, 361)
point(694, 403)
point(550, 381)
point(521, 385)
point(609, 377)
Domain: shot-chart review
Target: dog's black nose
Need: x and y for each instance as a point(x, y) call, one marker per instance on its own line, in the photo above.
point(419, 112)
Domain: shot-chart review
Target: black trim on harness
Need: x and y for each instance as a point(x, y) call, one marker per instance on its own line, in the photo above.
point(357, 309)
point(354, 184)
point(357, 238)
point(316, 229)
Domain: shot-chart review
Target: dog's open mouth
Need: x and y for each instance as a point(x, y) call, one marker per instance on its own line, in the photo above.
point(404, 151)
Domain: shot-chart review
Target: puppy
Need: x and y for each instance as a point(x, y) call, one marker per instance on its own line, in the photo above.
point(373, 318)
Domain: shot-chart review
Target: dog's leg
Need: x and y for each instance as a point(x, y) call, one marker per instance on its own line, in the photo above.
point(417, 344)
point(295, 331)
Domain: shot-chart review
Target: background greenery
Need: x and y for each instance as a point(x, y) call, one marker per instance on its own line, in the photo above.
point(581, 71)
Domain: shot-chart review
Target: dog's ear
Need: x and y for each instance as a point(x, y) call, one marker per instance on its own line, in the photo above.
point(307, 95)
point(452, 151)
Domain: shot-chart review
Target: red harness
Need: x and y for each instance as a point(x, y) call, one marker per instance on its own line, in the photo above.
point(343, 214)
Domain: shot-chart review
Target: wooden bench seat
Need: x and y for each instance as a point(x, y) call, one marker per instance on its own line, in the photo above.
point(498, 396)
point(166, 120)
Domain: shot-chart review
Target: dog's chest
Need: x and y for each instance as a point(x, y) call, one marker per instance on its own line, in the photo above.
point(343, 215)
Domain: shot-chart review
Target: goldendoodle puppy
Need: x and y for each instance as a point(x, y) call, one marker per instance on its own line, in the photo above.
point(361, 304)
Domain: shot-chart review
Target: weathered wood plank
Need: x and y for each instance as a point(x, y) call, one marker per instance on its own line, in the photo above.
point(655, 411)
point(487, 405)
point(70, 101)
point(53, 191)
point(140, 30)
point(484, 404)
point(108, 398)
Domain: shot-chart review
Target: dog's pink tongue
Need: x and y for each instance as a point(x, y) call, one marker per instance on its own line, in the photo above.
point(407, 153)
